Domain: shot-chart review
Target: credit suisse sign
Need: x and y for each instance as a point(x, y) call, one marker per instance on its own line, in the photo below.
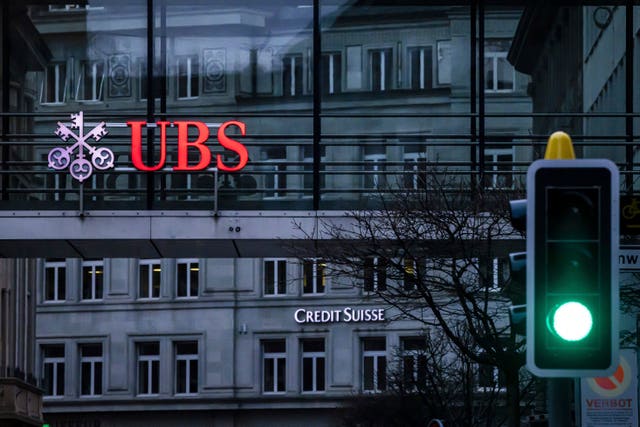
point(76, 156)
point(344, 315)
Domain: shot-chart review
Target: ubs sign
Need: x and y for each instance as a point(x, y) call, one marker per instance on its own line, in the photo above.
point(80, 168)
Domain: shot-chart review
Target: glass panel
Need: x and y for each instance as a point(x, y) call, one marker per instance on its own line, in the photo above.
point(320, 374)
point(60, 379)
point(181, 376)
point(85, 374)
point(48, 378)
point(193, 376)
point(307, 374)
point(97, 372)
point(182, 280)
point(282, 277)
point(269, 375)
point(143, 377)
point(282, 373)
point(269, 275)
point(50, 278)
point(368, 373)
point(155, 376)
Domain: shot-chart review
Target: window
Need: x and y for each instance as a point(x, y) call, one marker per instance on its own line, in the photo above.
point(188, 83)
point(275, 276)
point(187, 367)
point(55, 281)
point(292, 75)
point(274, 366)
point(444, 62)
point(90, 81)
point(313, 280)
point(421, 67)
point(354, 67)
point(375, 274)
point(313, 365)
point(92, 280)
point(415, 170)
point(275, 176)
point(410, 273)
point(91, 369)
point(380, 76)
point(149, 280)
point(490, 379)
point(188, 273)
point(499, 273)
point(414, 362)
point(148, 368)
point(374, 364)
point(375, 160)
point(500, 76)
point(331, 73)
point(54, 84)
point(53, 369)
point(499, 163)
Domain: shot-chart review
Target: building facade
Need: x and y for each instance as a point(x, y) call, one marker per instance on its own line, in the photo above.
point(344, 103)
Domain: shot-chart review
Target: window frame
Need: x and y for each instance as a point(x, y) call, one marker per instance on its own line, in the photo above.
point(60, 82)
point(274, 358)
point(55, 361)
point(59, 296)
point(333, 85)
point(314, 356)
point(375, 274)
point(494, 154)
point(279, 289)
point(376, 356)
point(149, 360)
point(97, 80)
point(92, 361)
point(494, 56)
point(93, 265)
point(386, 76)
point(189, 262)
point(417, 356)
point(315, 277)
point(295, 88)
point(189, 77)
point(424, 70)
point(151, 267)
point(187, 358)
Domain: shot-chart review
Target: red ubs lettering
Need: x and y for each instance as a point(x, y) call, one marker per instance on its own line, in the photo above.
point(184, 145)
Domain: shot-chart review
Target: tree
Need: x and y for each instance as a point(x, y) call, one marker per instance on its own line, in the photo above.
point(430, 255)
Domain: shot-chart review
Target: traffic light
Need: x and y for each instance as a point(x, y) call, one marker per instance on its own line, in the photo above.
point(572, 285)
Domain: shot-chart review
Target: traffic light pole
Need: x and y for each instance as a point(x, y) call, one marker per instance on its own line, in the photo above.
point(559, 402)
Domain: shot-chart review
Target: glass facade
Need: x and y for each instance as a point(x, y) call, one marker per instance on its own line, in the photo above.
point(336, 98)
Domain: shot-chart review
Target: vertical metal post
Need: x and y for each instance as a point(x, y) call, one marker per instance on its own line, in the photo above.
point(481, 97)
point(215, 192)
point(81, 196)
point(317, 103)
point(559, 402)
point(151, 101)
point(629, 95)
point(473, 88)
point(6, 87)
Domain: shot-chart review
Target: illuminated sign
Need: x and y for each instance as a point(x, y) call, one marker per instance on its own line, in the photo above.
point(345, 315)
point(80, 168)
point(184, 144)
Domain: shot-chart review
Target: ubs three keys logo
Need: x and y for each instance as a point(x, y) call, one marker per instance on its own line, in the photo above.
point(73, 156)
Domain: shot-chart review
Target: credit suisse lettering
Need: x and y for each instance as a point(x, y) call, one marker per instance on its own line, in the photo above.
point(345, 315)
point(184, 145)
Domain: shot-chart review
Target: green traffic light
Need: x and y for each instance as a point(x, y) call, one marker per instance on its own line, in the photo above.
point(571, 321)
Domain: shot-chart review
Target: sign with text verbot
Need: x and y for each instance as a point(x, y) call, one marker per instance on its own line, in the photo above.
point(572, 267)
